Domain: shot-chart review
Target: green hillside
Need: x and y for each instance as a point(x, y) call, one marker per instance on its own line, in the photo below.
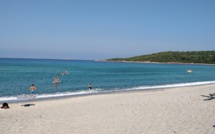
point(207, 57)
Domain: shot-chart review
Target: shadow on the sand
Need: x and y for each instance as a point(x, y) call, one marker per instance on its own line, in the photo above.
point(28, 105)
point(208, 97)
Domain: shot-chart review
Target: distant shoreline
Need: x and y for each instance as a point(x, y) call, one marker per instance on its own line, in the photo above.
point(154, 62)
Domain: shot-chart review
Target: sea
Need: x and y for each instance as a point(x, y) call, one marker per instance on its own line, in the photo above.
point(17, 75)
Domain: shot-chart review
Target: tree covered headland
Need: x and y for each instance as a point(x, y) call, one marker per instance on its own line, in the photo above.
point(206, 57)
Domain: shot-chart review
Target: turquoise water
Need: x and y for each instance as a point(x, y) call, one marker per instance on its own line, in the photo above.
point(17, 75)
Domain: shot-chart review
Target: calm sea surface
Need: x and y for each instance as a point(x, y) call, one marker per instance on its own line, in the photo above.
point(17, 75)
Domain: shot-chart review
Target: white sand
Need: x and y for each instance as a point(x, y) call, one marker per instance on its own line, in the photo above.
point(177, 110)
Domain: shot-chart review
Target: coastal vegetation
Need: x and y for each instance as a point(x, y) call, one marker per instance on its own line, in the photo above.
point(206, 57)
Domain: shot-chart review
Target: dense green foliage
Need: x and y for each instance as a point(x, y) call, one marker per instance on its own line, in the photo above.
point(207, 57)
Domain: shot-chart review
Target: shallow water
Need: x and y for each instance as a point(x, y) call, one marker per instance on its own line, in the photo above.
point(17, 75)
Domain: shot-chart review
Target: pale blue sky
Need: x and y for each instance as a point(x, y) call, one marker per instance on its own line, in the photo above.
point(102, 29)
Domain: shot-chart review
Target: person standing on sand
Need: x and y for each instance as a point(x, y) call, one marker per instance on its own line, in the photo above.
point(90, 86)
point(32, 88)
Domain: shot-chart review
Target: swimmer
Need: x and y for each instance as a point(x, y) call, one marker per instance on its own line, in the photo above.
point(32, 88)
point(56, 81)
point(90, 86)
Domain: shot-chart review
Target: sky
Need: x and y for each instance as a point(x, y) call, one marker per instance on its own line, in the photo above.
point(104, 29)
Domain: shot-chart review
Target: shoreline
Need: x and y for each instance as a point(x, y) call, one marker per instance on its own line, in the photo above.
point(146, 89)
point(171, 110)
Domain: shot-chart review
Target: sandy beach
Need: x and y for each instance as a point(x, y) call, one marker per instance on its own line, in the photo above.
point(183, 110)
